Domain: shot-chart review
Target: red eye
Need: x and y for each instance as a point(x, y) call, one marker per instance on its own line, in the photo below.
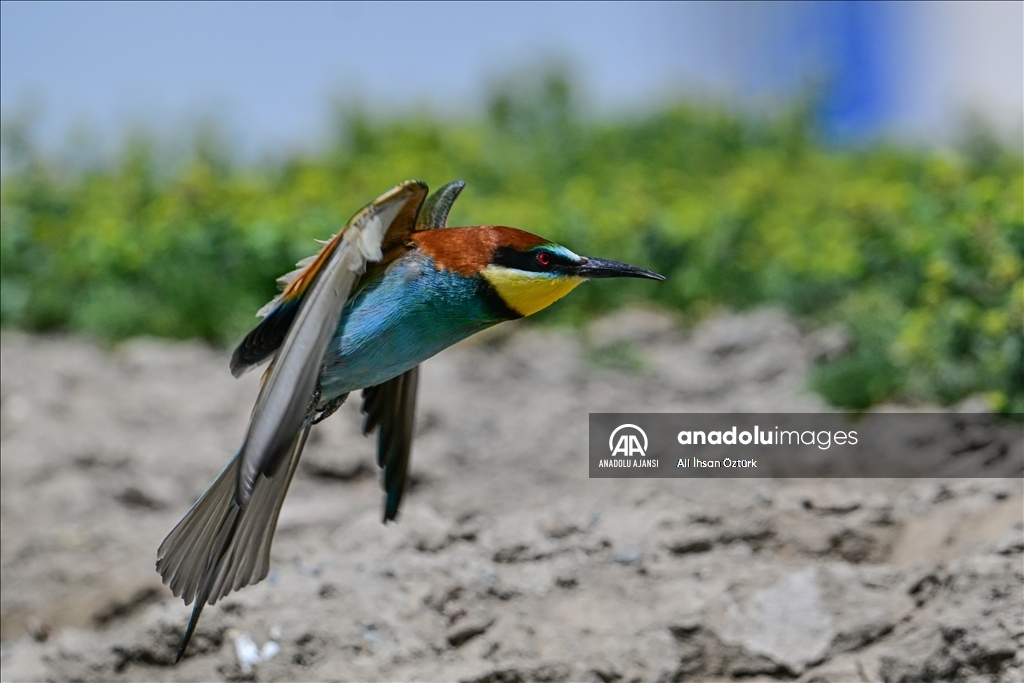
point(544, 258)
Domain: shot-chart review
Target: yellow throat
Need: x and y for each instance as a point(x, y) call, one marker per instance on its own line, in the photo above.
point(527, 293)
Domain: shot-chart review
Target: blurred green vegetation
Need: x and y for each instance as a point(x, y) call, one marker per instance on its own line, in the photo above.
point(918, 253)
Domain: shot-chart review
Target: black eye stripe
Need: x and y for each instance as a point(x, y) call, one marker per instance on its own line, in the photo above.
point(511, 258)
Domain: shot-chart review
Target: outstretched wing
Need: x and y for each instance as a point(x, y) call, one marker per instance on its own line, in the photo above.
point(223, 542)
point(391, 406)
point(280, 312)
point(284, 400)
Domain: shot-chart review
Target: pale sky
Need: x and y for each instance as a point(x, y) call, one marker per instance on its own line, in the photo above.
point(269, 71)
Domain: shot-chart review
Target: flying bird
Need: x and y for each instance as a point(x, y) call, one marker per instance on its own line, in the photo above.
point(394, 287)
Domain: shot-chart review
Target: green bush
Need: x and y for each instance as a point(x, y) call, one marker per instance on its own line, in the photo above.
point(919, 254)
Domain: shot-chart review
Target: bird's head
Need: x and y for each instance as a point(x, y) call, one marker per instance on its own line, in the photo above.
point(527, 272)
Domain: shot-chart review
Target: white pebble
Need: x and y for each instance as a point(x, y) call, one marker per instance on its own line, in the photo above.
point(269, 650)
point(247, 652)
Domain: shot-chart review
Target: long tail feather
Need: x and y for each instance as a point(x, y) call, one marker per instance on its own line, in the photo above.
point(219, 546)
point(392, 407)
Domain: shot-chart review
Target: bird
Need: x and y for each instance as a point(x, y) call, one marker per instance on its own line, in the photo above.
point(392, 288)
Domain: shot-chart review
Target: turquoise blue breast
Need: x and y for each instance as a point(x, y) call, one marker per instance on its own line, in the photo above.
point(398, 320)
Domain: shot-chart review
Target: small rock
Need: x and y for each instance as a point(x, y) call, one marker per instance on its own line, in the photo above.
point(784, 622)
point(627, 555)
point(467, 628)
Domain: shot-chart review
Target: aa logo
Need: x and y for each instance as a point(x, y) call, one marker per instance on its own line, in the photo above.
point(628, 444)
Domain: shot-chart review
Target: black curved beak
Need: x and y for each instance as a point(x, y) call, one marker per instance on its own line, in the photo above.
point(593, 268)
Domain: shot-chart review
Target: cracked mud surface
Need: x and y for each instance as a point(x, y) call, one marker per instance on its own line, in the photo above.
point(508, 563)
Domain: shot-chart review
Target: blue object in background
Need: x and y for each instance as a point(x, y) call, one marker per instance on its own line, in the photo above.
point(857, 94)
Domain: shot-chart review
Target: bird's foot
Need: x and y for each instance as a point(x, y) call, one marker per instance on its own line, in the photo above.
point(329, 408)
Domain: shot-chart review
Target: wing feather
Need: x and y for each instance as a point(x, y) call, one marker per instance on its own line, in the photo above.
point(283, 402)
point(434, 213)
point(279, 313)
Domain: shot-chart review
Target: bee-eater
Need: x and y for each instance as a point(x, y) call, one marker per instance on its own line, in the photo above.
point(394, 287)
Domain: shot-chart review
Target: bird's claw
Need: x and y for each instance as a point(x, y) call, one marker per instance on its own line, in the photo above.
point(329, 408)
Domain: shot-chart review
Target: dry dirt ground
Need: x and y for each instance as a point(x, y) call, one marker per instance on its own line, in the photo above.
point(508, 563)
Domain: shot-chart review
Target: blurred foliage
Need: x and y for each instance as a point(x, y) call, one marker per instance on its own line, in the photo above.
point(919, 254)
